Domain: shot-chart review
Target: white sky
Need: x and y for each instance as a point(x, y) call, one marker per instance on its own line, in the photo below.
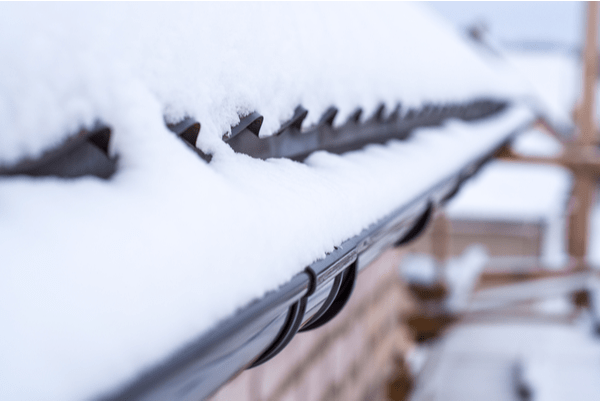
point(554, 22)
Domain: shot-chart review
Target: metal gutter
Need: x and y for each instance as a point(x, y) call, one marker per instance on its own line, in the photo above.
point(310, 299)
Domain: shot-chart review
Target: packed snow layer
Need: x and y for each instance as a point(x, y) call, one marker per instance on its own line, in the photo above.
point(101, 279)
point(509, 191)
point(67, 65)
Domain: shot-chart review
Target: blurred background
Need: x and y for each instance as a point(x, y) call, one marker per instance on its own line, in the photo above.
point(506, 278)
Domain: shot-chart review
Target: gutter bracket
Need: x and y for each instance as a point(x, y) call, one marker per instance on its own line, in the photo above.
point(347, 280)
point(419, 226)
point(290, 328)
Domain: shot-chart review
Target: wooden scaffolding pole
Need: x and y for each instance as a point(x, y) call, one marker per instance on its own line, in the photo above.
point(583, 188)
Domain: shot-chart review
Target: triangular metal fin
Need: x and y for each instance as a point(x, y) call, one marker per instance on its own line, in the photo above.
point(295, 122)
point(328, 117)
point(379, 113)
point(355, 116)
point(101, 137)
point(395, 114)
point(252, 122)
point(187, 129)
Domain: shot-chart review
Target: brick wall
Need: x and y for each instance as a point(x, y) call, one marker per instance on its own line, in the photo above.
point(350, 358)
point(501, 238)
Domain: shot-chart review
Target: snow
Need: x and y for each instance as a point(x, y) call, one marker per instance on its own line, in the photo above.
point(593, 256)
point(536, 142)
point(65, 65)
point(555, 306)
point(554, 77)
point(92, 289)
point(557, 361)
point(550, 80)
point(460, 273)
point(573, 377)
point(416, 358)
point(520, 192)
point(419, 268)
point(102, 279)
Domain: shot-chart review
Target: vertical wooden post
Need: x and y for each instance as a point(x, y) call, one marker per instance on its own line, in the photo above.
point(440, 233)
point(587, 125)
point(583, 188)
point(440, 242)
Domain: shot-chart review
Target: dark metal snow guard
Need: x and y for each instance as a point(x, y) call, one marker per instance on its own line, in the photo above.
point(310, 299)
point(87, 153)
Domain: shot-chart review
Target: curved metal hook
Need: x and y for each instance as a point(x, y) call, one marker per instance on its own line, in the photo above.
point(342, 297)
point(290, 328)
point(335, 289)
point(418, 228)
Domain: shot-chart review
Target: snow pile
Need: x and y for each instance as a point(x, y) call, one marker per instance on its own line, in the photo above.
point(101, 279)
point(508, 191)
point(535, 142)
point(562, 305)
point(416, 358)
point(420, 268)
point(460, 273)
point(593, 256)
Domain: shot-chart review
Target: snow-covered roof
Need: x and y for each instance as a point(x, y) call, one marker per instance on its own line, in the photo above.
point(537, 142)
point(521, 192)
point(101, 279)
point(554, 79)
point(65, 66)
